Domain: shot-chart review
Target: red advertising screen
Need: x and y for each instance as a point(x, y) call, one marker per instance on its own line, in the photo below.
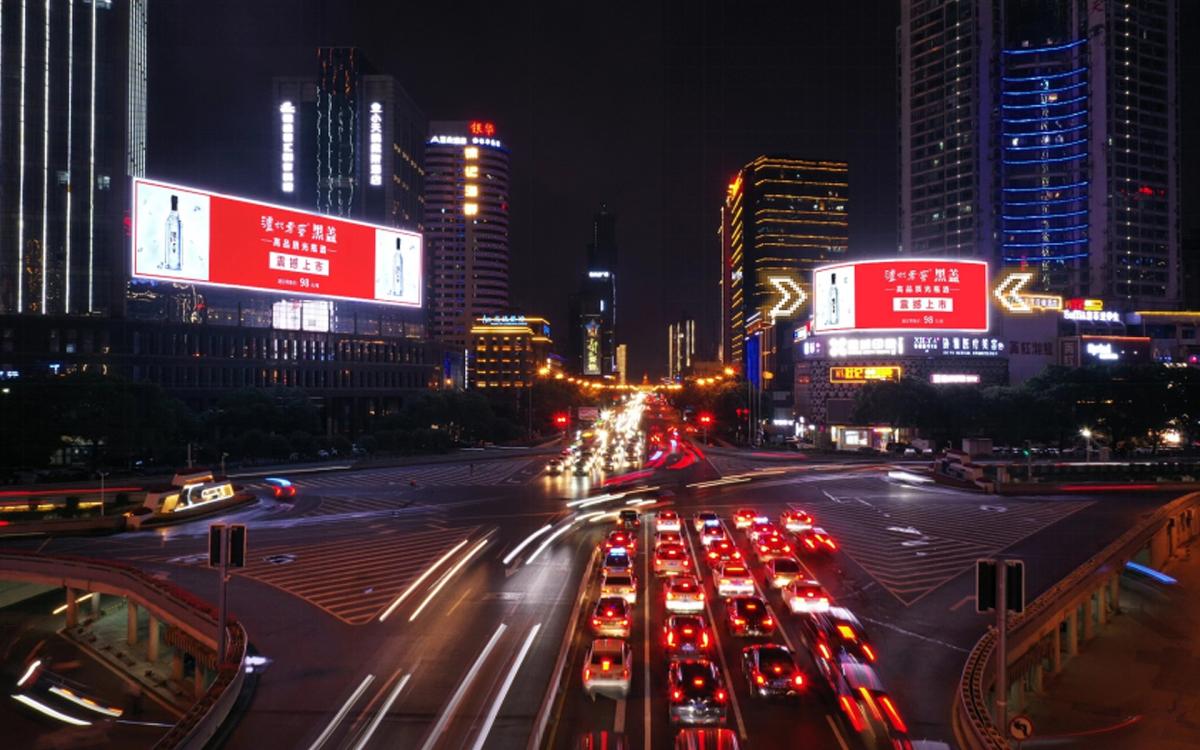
point(187, 235)
point(901, 294)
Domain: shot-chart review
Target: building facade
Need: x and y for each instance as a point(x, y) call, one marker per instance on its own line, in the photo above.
point(508, 351)
point(466, 227)
point(782, 217)
point(594, 307)
point(681, 348)
point(1044, 134)
point(72, 134)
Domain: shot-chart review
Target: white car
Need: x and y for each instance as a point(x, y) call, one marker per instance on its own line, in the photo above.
point(667, 520)
point(783, 570)
point(711, 533)
point(685, 594)
point(805, 595)
point(623, 585)
point(606, 669)
point(733, 579)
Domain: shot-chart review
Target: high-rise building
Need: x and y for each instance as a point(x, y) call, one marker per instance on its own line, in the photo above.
point(681, 348)
point(1044, 134)
point(622, 363)
point(594, 307)
point(508, 351)
point(350, 142)
point(782, 217)
point(72, 134)
point(466, 226)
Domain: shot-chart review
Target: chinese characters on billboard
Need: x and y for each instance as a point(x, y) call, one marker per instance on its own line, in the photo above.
point(901, 294)
point(187, 235)
point(591, 345)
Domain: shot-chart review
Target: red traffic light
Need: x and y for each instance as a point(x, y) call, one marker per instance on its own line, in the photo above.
point(706, 418)
point(561, 420)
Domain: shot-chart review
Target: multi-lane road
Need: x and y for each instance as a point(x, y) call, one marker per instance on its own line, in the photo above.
point(394, 612)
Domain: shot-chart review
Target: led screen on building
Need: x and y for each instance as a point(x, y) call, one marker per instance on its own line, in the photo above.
point(188, 235)
point(901, 294)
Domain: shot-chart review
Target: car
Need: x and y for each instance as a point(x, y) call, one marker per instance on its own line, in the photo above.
point(612, 617)
point(686, 636)
point(721, 551)
point(749, 616)
point(805, 595)
point(770, 670)
point(712, 533)
point(835, 632)
point(796, 521)
point(620, 540)
point(582, 468)
point(783, 570)
point(606, 669)
point(554, 468)
point(668, 537)
point(762, 526)
point(816, 540)
point(867, 705)
point(705, 518)
point(623, 585)
point(671, 559)
point(667, 520)
point(696, 693)
point(281, 488)
point(616, 561)
point(712, 738)
point(770, 547)
point(733, 578)
point(744, 517)
point(629, 519)
point(684, 594)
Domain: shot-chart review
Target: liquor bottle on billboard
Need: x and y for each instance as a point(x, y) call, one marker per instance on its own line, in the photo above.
point(397, 271)
point(173, 242)
point(832, 318)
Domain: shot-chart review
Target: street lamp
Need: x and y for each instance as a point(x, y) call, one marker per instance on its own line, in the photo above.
point(1087, 435)
point(102, 475)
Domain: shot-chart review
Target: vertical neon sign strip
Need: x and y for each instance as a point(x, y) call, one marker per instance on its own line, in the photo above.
point(45, 151)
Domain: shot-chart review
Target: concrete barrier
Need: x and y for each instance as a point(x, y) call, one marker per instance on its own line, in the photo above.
point(164, 600)
point(1050, 630)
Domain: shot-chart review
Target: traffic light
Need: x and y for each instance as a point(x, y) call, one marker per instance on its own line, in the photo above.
point(705, 418)
point(237, 545)
point(743, 413)
point(561, 420)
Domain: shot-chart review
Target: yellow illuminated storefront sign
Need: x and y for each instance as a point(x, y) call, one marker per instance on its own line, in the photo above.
point(864, 374)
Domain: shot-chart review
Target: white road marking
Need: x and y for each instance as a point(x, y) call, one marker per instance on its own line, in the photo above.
point(387, 706)
point(341, 714)
point(902, 631)
point(462, 690)
point(508, 681)
point(619, 717)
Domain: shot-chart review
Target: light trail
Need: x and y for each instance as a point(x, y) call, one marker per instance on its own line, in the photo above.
point(87, 703)
point(446, 578)
point(548, 541)
point(462, 689)
point(387, 706)
point(341, 714)
point(413, 586)
point(529, 539)
point(63, 608)
point(42, 708)
point(29, 672)
point(508, 681)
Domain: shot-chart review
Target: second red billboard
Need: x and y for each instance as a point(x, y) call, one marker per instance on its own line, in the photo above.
point(901, 294)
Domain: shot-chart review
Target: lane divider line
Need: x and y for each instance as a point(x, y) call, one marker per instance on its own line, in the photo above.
point(455, 699)
point(341, 714)
point(508, 681)
point(413, 586)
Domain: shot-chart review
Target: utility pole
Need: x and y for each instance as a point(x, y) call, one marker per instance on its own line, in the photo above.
point(102, 474)
point(1001, 644)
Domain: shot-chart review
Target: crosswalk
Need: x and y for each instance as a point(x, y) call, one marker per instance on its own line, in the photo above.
point(459, 473)
point(912, 549)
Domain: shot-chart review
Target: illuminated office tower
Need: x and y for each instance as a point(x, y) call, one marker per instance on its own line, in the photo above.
point(681, 348)
point(466, 226)
point(1043, 134)
point(781, 216)
point(72, 134)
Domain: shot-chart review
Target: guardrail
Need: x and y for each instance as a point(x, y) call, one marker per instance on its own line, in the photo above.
point(172, 604)
point(972, 719)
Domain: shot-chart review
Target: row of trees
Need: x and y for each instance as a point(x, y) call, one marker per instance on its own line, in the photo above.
point(106, 421)
point(1130, 406)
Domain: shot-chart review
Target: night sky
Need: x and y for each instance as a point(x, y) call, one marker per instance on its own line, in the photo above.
point(648, 107)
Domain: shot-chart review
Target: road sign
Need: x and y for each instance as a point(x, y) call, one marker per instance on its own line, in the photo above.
point(1020, 728)
point(791, 297)
point(985, 585)
point(986, 589)
point(216, 547)
point(1014, 586)
point(237, 545)
point(1009, 293)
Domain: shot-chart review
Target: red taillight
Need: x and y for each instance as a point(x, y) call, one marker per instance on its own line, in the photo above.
point(676, 695)
point(687, 563)
point(704, 640)
point(625, 622)
point(759, 679)
point(720, 696)
point(892, 714)
point(739, 621)
point(870, 652)
point(687, 631)
point(605, 664)
point(824, 651)
point(787, 548)
point(587, 674)
point(700, 596)
point(777, 669)
point(767, 622)
point(798, 680)
point(809, 543)
point(762, 547)
point(737, 555)
point(278, 492)
point(698, 681)
point(851, 711)
point(596, 622)
point(670, 639)
point(625, 674)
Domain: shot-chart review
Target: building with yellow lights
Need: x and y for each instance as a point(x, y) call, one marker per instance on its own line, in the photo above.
point(509, 351)
point(466, 227)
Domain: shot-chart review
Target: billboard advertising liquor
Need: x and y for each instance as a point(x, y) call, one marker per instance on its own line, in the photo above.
point(189, 235)
point(901, 294)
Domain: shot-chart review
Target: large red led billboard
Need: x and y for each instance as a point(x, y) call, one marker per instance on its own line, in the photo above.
point(901, 294)
point(188, 235)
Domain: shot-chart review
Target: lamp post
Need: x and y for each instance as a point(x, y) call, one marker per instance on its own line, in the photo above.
point(102, 475)
point(1087, 435)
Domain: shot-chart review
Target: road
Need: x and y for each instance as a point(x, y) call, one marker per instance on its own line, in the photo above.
point(389, 617)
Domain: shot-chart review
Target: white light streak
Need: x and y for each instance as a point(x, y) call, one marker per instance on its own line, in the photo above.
point(70, 123)
point(21, 174)
point(87, 703)
point(45, 152)
point(92, 172)
point(549, 540)
point(387, 706)
point(42, 708)
point(341, 714)
point(508, 681)
point(517, 550)
point(63, 608)
point(462, 689)
point(446, 579)
point(29, 672)
point(413, 586)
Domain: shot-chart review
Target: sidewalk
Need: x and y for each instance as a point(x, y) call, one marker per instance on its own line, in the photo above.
point(1137, 684)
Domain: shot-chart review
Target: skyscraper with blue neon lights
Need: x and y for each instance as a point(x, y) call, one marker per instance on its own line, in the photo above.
point(1044, 134)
